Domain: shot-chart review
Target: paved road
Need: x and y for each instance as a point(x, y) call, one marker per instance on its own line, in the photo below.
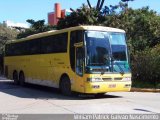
point(38, 99)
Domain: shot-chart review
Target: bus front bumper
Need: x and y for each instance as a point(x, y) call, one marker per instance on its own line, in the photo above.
point(103, 87)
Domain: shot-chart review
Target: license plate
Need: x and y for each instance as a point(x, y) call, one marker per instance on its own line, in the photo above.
point(112, 85)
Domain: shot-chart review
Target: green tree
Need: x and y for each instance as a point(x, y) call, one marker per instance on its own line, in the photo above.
point(143, 33)
point(35, 27)
point(146, 68)
point(6, 33)
point(141, 25)
point(82, 16)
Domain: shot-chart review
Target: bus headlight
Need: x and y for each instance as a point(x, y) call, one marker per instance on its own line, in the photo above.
point(94, 79)
point(126, 79)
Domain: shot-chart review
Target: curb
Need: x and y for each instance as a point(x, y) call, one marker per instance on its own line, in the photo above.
point(144, 90)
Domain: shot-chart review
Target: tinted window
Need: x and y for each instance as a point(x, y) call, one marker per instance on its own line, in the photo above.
point(23, 48)
point(8, 49)
point(34, 46)
point(55, 43)
point(50, 44)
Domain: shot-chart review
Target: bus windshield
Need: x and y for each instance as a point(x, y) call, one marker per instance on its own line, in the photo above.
point(107, 51)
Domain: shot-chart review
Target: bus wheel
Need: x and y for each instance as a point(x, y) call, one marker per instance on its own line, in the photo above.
point(15, 78)
point(65, 86)
point(21, 79)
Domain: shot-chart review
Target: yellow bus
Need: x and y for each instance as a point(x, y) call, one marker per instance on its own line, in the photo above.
point(84, 59)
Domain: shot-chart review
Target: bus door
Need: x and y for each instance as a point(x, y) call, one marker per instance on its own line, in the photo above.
point(79, 66)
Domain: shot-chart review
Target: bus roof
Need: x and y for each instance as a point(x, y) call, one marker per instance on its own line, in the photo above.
point(52, 32)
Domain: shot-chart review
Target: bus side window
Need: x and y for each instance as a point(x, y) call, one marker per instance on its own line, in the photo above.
point(54, 43)
point(34, 46)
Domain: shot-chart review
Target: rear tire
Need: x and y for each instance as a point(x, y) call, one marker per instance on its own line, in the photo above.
point(65, 86)
point(21, 79)
point(15, 78)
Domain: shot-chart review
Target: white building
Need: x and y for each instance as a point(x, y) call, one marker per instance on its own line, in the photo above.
point(12, 24)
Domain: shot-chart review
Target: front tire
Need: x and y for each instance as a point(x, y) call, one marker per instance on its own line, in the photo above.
point(65, 86)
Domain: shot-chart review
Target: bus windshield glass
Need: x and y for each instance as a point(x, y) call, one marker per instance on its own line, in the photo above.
point(107, 51)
